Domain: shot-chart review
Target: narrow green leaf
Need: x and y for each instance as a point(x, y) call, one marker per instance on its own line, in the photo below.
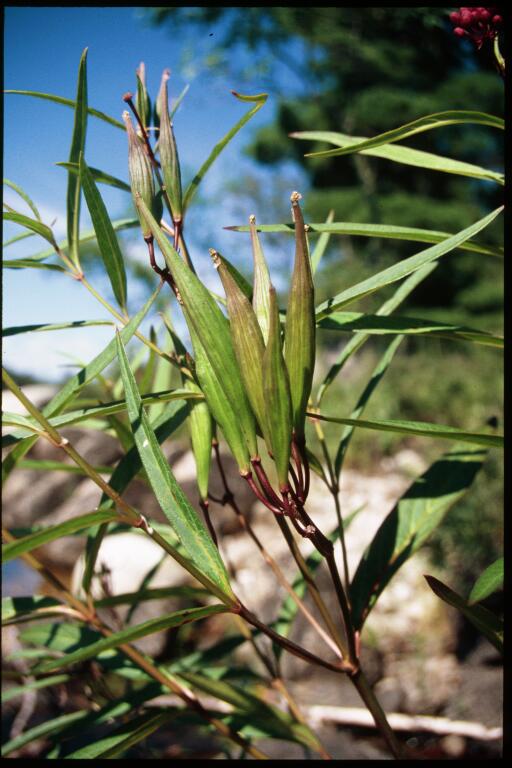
point(405, 529)
point(156, 593)
point(46, 465)
point(87, 236)
point(76, 383)
point(16, 238)
point(35, 685)
point(99, 177)
point(29, 264)
point(420, 428)
point(128, 467)
point(24, 197)
point(18, 607)
point(362, 402)
point(386, 309)
point(128, 635)
point(261, 281)
point(404, 155)
point(485, 621)
point(403, 268)
point(121, 739)
point(251, 711)
point(300, 324)
point(323, 242)
point(33, 224)
point(427, 123)
point(488, 582)
point(16, 548)
point(68, 103)
point(378, 324)
point(260, 100)
point(42, 730)
point(77, 146)
point(277, 397)
point(209, 325)
point(390, 231)
point(15, 329)
point(173, 502)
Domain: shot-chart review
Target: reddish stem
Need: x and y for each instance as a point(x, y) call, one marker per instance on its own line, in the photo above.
point(265, 482)
point(252, 485)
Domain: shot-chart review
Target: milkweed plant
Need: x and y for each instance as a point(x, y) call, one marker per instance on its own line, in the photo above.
point(247, 381)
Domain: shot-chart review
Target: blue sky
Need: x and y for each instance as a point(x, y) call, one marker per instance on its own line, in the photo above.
point(42, 49)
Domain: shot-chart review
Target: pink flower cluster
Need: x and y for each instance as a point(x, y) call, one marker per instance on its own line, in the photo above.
point(479, 24)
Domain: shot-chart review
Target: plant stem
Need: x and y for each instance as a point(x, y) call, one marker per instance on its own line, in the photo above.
point(364, 689)
point(310, 583)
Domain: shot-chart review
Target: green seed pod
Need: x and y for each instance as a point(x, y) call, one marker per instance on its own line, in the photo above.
point(200, 423)
point(168, 152)
point(276, 387)
point(300, 324)
point(247, 340)
point(141, 174)
point(206, 320)
point(143, 101)
point(261, 285)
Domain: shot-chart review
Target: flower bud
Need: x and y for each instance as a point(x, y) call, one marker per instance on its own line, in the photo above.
point(141, 174)
point(168, 152)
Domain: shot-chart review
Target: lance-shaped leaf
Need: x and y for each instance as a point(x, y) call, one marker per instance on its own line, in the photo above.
point(143, 101)
point(173, 502)
point(99, 176)
point(67, 103)
point(169, 153)
point(404, 267)
point(247, 341)
point(33, 224)
point(24, 197)
point(105, 234)
point(201, 428)
point(259, 100)
point(261, 283)
point(130, 634)
point(485, 621)
point(416, 515)
point(119, 740)
point(204, 316)
point(488, 582)
point(77, 146)
point(277, 395)
point(300, 324)
point(427, 123)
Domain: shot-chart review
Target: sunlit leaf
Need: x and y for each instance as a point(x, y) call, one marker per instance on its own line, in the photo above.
point(488, 582)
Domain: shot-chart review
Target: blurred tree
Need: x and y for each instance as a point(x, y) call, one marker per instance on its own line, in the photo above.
point(362, 71)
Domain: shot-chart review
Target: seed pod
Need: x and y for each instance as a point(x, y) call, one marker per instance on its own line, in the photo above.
point(219, 405)
point(169, 153)
point(141, 174)
point(143, 101)
point(200, 423)
point(300, 324)
point(205, 319)
point(247, 340)
point(260, 296)
point(276, 387)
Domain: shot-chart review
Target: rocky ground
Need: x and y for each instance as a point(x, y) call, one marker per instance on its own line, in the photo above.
point(410, 643)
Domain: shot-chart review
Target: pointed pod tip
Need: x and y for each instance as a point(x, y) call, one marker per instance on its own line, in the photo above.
point(252, 219)
point(295, 197)
point(128, 96)
point(215, 257)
